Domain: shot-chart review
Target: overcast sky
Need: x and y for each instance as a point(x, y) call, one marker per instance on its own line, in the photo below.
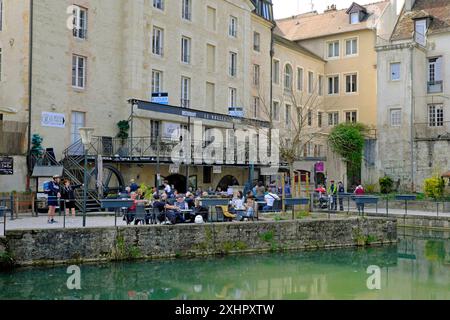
point(287, 8)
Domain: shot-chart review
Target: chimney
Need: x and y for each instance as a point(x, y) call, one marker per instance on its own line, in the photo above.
point(409, 4)
point(331, 8)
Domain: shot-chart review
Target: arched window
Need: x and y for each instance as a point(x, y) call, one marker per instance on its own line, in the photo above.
point(288, 77)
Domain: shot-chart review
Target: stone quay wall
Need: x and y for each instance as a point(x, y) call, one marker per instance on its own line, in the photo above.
point(67, 246)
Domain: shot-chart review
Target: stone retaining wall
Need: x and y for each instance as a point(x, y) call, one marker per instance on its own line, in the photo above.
point(56, 246)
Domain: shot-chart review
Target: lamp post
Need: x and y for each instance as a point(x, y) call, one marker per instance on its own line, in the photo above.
point(86, 138)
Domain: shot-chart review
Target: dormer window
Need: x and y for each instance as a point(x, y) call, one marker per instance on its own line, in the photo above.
point(356, 13)
point(354, 18)
point(421, 28)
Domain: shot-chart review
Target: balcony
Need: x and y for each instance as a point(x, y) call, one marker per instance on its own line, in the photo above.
point(435, 86)
point(12, 137)
point(423, 131)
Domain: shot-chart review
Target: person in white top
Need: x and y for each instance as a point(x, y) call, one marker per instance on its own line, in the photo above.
point(270, 198)
point(167, 187)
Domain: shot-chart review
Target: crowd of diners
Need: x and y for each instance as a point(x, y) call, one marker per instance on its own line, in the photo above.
point(171, 207)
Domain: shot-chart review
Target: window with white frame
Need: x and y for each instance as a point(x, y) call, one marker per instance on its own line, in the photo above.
point(158, 4)
point(276, 72)
point(333, 49)
point(157, 77)
point(310, 82)
point(288, 77)
point(157, 41)
point(233, 64)
point(232, 97)
point(287, 116)
point(395, 71)
point(80, 22)
point(256, 74)
point(185, 50)
point(333, 118)
point(435, 75)
point(351, 116)
point(333, 85)
point(420, 34)
point(300, 79)
point(351, 47)
point(232, 29)
point(275, 111)
point(396, 117)
point(256, 102)
point(256, 41)
point(155, 130)
point(185, 92)
point(435, 115)
point(78, 71)
point(351, 83)
point(186, 10)
point(354, 18)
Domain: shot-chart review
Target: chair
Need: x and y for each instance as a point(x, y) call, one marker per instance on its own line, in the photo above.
point(226, 214)
point(140, 215)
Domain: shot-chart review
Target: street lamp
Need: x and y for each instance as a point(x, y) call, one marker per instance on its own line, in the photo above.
point(86, 138)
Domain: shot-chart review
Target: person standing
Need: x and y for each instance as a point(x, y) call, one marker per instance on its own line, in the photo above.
point(68, 196)
point(54, 195)
point(332, 194)
point(341, 191)
point(359, 191)
point(260, 190)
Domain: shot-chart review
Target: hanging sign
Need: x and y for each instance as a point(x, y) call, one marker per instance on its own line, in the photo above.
point(55, 120)
point(6, 166)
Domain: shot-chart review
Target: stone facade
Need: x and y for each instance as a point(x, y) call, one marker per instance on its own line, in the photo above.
point(32, 247)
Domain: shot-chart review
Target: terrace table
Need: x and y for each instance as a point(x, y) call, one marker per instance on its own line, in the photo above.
point(209, 203)
point(116, 204)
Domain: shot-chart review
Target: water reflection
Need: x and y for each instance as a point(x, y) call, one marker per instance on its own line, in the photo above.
point(417, 268)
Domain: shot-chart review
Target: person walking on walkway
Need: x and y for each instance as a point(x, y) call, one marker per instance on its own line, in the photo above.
point(68, 196)
point(54, 195)
point(341, 191)
point(332, 194)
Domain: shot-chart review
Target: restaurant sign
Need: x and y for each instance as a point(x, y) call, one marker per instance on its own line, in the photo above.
point(6, 166)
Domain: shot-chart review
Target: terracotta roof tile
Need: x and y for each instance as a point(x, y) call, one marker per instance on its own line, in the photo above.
point(439, 10)
point(314, 25)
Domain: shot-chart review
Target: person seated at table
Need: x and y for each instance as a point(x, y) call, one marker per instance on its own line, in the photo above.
point(129, 216)
point(270, 198)
point(200, 210)
point(160, 205)
point(237, 203)
point(173, 211)
point(190, 199)
point(250, 204)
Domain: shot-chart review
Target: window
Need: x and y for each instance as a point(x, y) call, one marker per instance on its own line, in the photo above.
point(210, 96)
point(156, 81)
point(288, 77)
point(78, 72)
point(276, 72)
point(185, 50)
point(351, 83)
point(157, 41)
point(287, 116)
point(333, 118)
point(300, 79)
point(309, 118)
point(351, 47)
point(395, 71)
point(211, 58)
point(435, 75)
point(350, 116)
point(333, 85)
point(185, 92)
point(232, 100)
point(256, 41)
point(320, 85)
point(155, 129)
point(186, 10)
point(310, 82)
point(233, 64)
point(211, 19)
point(1, 15)
point(333, 49)
point(232, 29)
point(420, 34)
point(158, 4)
point(396, 117)
point(256, 73)
point(275, 111)
point(435, 115)
point(319, 119)
point(256, 107)
point(354, 18)
point(79, 22)
point(0, 64)
point(78, 120)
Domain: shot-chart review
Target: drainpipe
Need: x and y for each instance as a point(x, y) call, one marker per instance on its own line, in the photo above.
point(412, 116)
point(30, 88)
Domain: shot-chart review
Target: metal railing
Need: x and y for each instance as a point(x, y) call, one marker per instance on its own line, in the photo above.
point(435, 86)
point(440, 130)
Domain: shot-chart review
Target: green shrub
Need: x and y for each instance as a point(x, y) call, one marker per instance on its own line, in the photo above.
point(434, 187)
point(386, 185)
point(371, 188)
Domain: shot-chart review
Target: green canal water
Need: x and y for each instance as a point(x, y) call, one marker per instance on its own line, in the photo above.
point(417, 268)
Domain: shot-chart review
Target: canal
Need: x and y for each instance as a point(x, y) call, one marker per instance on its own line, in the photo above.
point(418, 267)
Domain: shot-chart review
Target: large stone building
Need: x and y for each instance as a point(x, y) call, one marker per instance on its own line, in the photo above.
point(413, 77)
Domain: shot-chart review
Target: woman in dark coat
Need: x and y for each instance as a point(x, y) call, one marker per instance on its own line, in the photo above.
point(68, 196)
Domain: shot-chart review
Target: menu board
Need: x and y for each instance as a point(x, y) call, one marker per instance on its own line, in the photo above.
point(6, 166)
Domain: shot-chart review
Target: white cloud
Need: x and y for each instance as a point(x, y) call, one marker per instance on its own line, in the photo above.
point(287, 8)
